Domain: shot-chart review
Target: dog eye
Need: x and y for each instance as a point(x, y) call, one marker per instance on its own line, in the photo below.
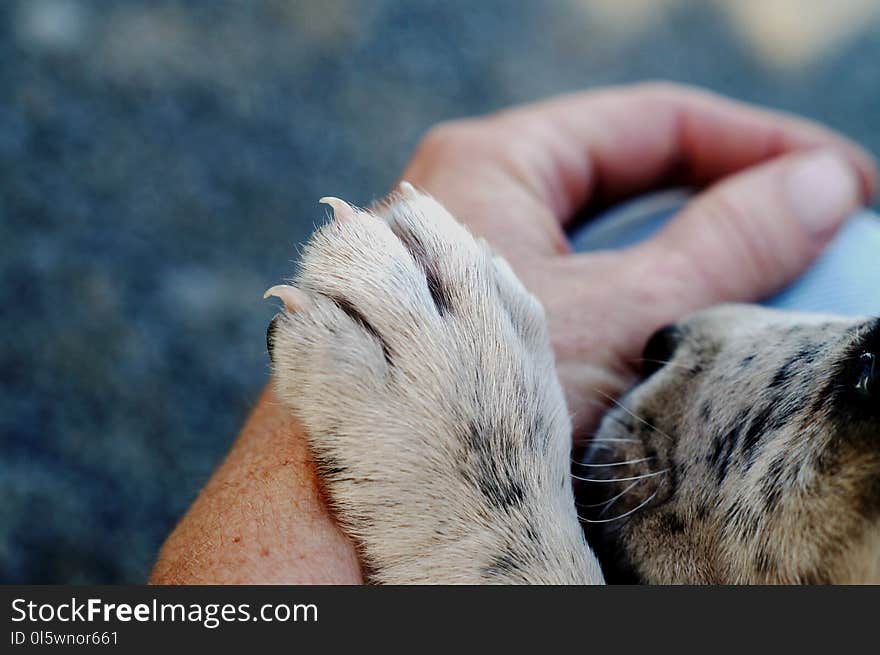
point(660, 348)
point(867, 374)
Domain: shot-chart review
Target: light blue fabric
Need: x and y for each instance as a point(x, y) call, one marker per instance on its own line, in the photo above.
point(845, 279)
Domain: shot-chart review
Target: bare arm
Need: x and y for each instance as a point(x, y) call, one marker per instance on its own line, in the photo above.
point(260, 518)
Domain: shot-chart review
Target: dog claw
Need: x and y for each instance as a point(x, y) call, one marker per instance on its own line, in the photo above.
point(294, 300)
point(342, 211)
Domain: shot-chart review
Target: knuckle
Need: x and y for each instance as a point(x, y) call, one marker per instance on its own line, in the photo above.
point(666, 92)
point(447, 139)
point(660, 87)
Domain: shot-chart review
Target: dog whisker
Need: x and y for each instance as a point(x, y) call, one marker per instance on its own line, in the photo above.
point(606, 443)
point(613, 439)
point(662, 362)
point(625, 514)
point(636, 477)
point(635, 416)
point(608, 502)
point(631, 461)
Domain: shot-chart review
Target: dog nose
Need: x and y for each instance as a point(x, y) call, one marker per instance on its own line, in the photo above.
point(660, 349)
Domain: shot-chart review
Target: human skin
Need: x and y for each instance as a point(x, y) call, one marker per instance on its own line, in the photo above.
point(775, 188)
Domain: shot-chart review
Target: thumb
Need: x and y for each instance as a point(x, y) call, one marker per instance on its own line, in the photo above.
point(754, 232)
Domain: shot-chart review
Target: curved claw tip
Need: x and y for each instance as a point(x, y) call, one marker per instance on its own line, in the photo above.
point(407, 188)
point(341, 209)
point(294, 300)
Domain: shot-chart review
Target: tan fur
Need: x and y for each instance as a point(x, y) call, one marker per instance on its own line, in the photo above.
point(798, 506)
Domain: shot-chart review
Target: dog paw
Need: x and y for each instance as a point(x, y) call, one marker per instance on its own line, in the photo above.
point(421, 371)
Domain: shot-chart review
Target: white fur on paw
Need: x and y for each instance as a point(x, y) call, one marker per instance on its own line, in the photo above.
point(421, 370)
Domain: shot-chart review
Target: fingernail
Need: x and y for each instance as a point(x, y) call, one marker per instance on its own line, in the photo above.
point(821, 189)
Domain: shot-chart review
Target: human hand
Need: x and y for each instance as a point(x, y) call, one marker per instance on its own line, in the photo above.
point(778, 187)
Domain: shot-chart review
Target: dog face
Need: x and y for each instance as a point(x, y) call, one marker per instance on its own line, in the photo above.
point(750, 453)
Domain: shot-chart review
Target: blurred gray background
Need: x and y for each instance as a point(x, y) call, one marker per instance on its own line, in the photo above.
point(159, 161)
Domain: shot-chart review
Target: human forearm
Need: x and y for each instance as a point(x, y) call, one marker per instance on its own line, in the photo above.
point(260, 518)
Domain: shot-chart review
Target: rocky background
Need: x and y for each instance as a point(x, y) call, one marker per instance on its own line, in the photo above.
point(159, 162)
